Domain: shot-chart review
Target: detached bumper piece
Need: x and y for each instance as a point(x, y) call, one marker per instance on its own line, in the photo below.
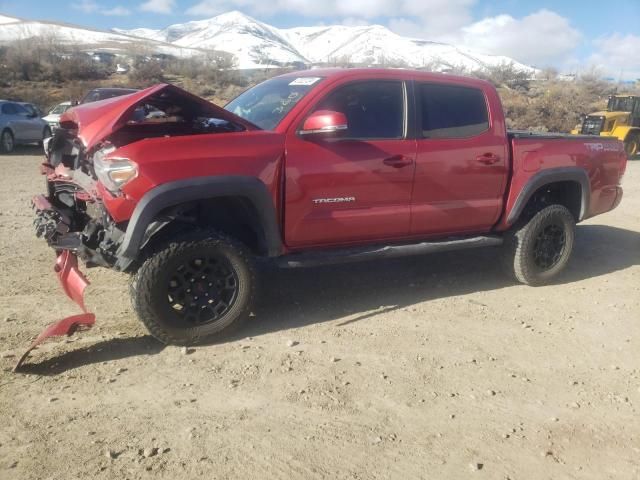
point(73, 283)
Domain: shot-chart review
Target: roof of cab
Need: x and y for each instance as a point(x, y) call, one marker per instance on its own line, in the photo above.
point(400, 73)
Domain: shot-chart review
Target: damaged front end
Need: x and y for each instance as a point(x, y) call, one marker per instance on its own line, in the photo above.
point(72, 216)
point(92, 189)
point(73, 220)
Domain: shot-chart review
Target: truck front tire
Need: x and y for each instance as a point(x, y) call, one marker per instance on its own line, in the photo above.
point(194, 288)
point(538, 250)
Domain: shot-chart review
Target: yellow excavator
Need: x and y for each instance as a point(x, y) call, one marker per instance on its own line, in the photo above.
point(620, 120)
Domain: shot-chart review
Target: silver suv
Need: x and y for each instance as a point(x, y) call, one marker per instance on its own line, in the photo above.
point(19, 125)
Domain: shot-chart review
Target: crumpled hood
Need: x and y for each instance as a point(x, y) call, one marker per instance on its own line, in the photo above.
point(97, 120)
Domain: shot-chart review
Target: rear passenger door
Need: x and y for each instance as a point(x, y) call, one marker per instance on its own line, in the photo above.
point(461, 164)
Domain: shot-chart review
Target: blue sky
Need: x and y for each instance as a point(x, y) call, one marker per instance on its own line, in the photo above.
point(567, 34)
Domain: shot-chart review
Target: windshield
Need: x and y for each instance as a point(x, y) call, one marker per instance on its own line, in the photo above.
point(265, 105)
point(59, 109)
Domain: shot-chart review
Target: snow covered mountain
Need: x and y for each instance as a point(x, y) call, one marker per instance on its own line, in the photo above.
point(258, 45)
point(12, 29)
point(253, 43)
point(375, 44)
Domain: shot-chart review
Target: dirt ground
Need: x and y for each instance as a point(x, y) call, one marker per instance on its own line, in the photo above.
point(434, 367)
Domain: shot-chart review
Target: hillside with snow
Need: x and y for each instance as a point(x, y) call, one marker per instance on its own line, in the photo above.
point(255, 44)
point(12, 29)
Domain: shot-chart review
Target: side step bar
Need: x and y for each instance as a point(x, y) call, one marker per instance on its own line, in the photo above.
point(359, 254)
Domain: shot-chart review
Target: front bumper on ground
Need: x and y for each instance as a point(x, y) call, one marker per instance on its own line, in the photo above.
point(73, 283)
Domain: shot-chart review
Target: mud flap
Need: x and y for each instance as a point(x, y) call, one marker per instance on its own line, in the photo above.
point(73, 283)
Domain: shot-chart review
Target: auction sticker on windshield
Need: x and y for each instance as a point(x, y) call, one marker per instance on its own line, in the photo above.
point(304, 81)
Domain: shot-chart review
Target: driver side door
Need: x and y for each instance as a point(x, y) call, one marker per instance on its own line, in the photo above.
point(357, 186)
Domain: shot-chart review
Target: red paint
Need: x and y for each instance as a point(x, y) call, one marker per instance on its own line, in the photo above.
point(72, 280)
point(73, 283)
point(97, 120)
point(337, 191)
point(402, 189)
point(67, 326)
point(323, 119)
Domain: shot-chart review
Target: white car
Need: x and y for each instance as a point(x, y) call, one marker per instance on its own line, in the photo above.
point(53, 117)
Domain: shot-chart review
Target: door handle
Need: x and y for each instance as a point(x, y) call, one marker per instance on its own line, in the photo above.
point(397, 161)
point(488, 158)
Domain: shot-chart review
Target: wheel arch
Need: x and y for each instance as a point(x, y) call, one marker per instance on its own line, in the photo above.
point(7, 126)
point(244, 195)
point(568, 186)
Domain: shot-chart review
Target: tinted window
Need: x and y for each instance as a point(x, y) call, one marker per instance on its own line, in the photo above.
point(452, 112)
point(31, 110)
point(373, 109)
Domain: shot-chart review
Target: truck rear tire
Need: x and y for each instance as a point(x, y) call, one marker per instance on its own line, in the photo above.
point(538, 250)
point(194, 288)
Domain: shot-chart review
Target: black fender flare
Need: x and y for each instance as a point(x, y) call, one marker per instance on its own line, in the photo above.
point(200, 188)
point(546, 177)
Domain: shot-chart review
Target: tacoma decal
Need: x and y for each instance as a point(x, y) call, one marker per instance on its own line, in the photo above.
point(334, 200)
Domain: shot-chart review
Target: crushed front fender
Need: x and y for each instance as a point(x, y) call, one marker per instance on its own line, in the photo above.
point(74, 284)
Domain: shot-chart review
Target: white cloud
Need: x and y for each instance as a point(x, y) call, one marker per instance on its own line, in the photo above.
point(541, 39)
point(354, 22)
point(207, 9)
point(117, 11)
point(158, 6)
point(617, 56)
point(86, 6)
point(436, 16)
point(89, 6)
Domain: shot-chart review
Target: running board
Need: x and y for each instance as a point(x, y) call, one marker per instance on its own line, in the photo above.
point(360, 254)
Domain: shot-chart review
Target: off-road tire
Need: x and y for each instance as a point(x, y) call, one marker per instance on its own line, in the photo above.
point(149, 287)
point(519, 250)
point(3, 146)
point(632, 145)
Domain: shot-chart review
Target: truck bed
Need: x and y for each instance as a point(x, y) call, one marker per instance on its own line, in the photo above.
point(547, 154)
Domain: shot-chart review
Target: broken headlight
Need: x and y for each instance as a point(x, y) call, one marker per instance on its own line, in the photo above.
point(113, 172)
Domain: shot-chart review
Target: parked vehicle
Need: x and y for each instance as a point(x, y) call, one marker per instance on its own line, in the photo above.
point(103, 93)
point(621, 119)
point(20, 125)
point(53, 117)
point(304, 169)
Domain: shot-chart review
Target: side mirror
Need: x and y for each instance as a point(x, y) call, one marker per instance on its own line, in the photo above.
point(324, 122)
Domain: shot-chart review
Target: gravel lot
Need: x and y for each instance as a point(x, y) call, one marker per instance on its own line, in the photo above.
point(430, 367)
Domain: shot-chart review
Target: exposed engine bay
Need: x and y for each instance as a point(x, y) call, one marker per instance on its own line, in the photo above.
point(71, 216)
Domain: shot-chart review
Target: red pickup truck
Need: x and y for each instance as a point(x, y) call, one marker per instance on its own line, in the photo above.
point(307, 168)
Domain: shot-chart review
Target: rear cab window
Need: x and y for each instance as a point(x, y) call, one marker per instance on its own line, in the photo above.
point(451, 111)
point(375, 109)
